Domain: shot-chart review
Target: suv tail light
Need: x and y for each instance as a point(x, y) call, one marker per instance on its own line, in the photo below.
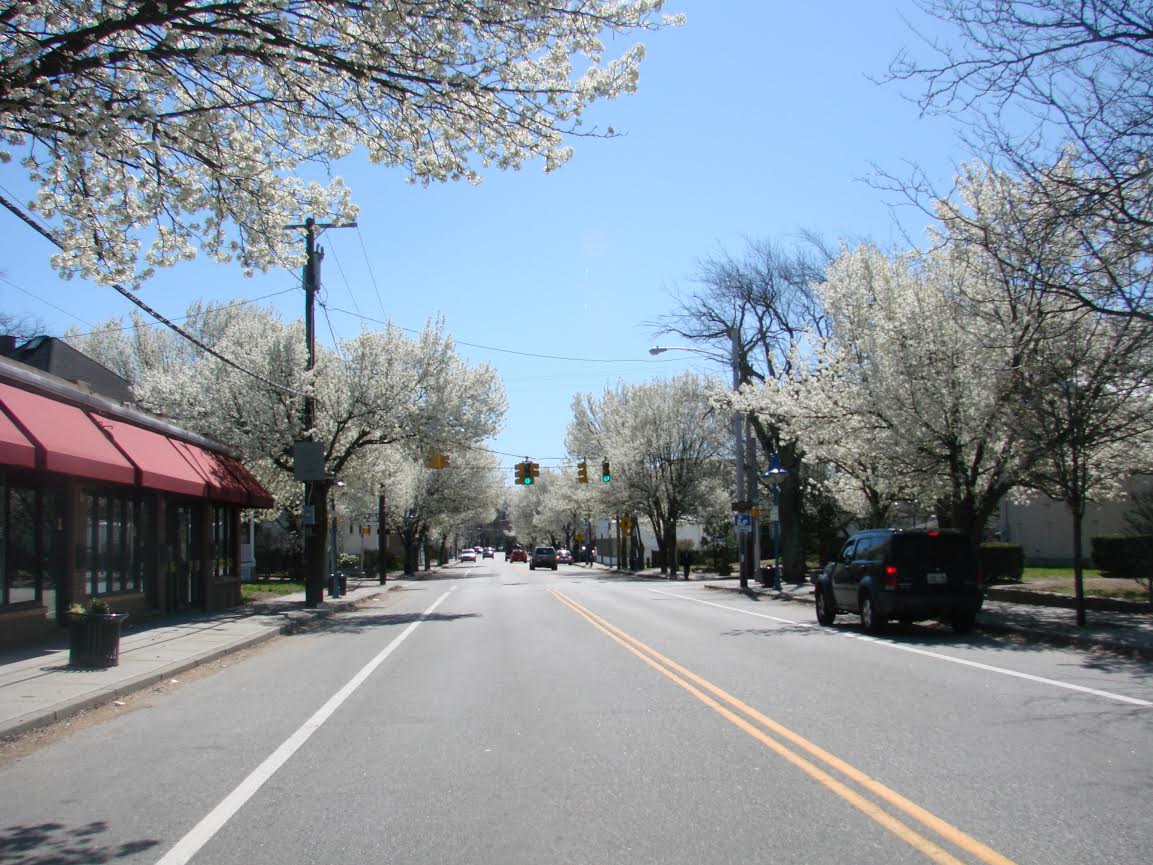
point(889, 581)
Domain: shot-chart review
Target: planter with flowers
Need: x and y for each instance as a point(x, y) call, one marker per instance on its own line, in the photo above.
point(94, 635)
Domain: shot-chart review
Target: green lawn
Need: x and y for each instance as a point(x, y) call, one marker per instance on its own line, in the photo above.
point(262, 589)
point(1060, 581)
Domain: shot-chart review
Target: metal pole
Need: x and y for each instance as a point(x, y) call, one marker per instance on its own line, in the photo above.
point(777, 536)
point(739, 447)
point(381, 539)
point(334, 585)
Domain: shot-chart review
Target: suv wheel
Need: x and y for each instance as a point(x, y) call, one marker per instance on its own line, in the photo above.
point(870, 621)
point(826, 612)
point(531, 566)
point(554, 567)
point(963, 622)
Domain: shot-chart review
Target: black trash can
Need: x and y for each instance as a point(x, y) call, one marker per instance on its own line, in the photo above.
point(94, 639)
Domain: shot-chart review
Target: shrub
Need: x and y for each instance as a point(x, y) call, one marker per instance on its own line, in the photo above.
point(1002, 563)
point(1127, 556)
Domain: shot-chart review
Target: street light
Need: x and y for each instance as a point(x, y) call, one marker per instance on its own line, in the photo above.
point(746, 553)
point(774, 477)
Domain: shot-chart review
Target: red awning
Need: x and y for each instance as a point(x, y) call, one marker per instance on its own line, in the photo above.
point(66, 439)
point(258, 496)
point(161, 466)
point(222, 484)
point(15, 449)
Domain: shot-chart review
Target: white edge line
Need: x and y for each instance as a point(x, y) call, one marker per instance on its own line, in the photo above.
point(1135, 701)
point(202, 832)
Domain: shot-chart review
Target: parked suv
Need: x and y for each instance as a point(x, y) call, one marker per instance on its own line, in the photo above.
point(542, 557)
point(903, 574)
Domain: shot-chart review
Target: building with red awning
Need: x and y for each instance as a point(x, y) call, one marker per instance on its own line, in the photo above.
point(100, 499)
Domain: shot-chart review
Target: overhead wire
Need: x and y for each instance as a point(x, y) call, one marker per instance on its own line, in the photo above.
point(227, 361)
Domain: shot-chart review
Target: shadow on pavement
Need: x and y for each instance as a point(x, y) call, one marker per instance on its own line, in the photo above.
point(357, 622)
point(57, 844)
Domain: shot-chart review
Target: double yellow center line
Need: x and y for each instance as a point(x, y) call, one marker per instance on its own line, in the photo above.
point(759, 726)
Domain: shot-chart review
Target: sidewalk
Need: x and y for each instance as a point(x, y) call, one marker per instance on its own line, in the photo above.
point(1121, 633)
point(37, 686)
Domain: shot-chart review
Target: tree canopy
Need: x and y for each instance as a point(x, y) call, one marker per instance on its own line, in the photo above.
point(183, 124)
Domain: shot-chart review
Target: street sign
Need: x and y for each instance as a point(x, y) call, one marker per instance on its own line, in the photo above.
point(743, 523)
point(308, 461)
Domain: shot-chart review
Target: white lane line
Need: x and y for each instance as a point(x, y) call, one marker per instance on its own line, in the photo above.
point(977, 665)
point(202, 832)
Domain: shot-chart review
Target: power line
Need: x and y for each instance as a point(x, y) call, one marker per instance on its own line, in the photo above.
point(131, 297)
point(46, 302)
point(513, 351)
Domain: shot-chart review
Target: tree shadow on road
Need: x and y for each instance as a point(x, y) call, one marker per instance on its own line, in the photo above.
point(355, 623)
point(58, 844)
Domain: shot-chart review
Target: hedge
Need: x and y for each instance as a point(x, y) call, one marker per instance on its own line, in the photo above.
point(1002, 563)
point(1127, 556)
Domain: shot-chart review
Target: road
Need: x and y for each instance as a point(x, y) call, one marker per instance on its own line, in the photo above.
point(497, 715)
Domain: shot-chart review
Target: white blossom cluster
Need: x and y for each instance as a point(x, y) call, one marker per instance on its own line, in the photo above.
point(952, 376)
point(182, 125)
point(380, 389)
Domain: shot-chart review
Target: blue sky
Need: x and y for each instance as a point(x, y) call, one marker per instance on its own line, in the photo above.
point(753, 120)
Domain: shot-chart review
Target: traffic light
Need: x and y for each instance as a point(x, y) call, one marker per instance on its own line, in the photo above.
point(533, 471)
point(520, 473)
point(606, 475)
point(436, 460)
point(582, 472)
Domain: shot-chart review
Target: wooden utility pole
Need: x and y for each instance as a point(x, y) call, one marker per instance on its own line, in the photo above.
point(315, 491)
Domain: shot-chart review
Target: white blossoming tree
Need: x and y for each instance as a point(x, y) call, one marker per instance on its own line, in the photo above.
point(667, 445)
point(184, 125)
point(381, 388)
point(913, 392)
point(1056, 93)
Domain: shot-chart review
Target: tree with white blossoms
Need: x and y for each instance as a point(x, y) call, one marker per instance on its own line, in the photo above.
point(1056, 93)
point(184, 125)
point(749, 313)
point(426, 505)
point(914, 392)
point(380, 388)
point(1088, 407)
point(666, 443)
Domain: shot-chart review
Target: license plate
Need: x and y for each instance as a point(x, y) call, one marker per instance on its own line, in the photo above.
point(936, 577)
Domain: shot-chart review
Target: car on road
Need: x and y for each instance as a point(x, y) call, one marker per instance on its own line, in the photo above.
point(903, 574)
point(468, 555)
point(517, 554)
point(542, 557)
point(563, 557)
point(487, 554)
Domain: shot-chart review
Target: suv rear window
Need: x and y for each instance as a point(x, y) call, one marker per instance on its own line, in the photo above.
point(931, 551)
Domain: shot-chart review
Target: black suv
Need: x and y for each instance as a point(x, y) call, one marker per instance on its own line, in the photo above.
point(903, 574)
point(542, 557)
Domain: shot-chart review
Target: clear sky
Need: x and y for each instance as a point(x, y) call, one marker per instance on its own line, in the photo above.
point(755, 119)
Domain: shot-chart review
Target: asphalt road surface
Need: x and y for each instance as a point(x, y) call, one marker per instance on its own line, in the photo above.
point(501, 716)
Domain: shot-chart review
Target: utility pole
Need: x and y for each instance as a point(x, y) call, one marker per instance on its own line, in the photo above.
point(316, 490)
point(382, 538)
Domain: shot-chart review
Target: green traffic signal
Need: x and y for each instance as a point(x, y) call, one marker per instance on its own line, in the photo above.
point(606, 475)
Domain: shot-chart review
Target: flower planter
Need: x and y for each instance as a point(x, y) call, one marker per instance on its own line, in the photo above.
point(94, 639)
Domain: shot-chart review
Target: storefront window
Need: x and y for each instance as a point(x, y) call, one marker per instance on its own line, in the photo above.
point(223, 542)
point(27, 552)
point(114, 543)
